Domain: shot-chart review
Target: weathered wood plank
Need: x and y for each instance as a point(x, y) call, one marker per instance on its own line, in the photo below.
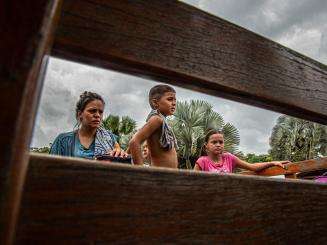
point(171, 41)
point(26, 34)
point(292, 168)
point(79, 201)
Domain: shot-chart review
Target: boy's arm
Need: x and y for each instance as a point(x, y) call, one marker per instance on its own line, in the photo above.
point(258, 166)
point(144, 133)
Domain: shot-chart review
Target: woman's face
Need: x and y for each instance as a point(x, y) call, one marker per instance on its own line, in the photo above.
point(91, 116)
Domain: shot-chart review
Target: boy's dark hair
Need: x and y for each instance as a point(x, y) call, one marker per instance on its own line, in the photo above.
point(84, 99)
point(206, 139)
point(158, 91)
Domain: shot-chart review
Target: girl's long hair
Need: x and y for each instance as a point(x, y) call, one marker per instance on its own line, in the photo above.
point(206, 139)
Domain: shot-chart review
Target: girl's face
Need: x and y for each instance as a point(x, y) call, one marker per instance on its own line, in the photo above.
point(91, 116)
point(215, 144)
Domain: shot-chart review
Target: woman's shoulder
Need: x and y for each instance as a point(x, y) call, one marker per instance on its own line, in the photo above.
point(105, 132)
point(105, 135)
point(66, 135)
point(62, 144)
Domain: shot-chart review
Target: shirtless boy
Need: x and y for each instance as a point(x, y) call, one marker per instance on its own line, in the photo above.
point(159, 136)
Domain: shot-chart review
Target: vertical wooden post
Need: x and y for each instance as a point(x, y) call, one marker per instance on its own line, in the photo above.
point(26, 38)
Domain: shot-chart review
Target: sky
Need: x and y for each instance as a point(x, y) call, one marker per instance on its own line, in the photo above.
point(297, 24)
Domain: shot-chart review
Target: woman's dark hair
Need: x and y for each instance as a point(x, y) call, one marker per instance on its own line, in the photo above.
point(84, 99)
point(206, 139)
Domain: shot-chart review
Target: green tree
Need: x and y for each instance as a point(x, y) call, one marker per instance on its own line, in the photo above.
point(191, 122)
point(123, 127)
point(296, 139)
point(253, 158)
point(45, 149)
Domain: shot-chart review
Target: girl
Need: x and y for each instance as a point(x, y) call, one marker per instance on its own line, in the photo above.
point(214, 159)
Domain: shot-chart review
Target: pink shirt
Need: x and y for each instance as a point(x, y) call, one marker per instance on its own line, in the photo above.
point(226, 165)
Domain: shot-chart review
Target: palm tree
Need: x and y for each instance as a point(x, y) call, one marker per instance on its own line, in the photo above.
point(296, 139)
point(124, 128)
point(112, 123)
point(191, 122)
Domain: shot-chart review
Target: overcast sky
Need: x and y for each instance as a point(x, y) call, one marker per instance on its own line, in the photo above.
point(298, 24)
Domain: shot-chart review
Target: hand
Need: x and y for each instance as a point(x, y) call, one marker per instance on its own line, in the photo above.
point(280, 163)
point(118, 153)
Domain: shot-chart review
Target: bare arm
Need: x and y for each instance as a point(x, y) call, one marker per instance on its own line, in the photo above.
point(258, 166)
point(197, 167)
point(148, 129)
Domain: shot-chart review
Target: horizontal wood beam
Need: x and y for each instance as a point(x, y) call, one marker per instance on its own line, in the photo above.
point(176, 43)
point(292, 168)
point(77, 201)
point(26, 37)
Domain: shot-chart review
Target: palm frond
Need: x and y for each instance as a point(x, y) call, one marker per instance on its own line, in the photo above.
point(112, 123)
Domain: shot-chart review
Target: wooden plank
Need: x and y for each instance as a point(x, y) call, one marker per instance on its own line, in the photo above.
point(68, 200)
point(179, 44)
point(292, 168)
point(26, 34)
point(313, 174)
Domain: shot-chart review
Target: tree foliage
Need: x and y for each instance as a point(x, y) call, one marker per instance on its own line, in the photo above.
point(296, 139)
point(123, 127)
point(253, 158)
point(45, 149)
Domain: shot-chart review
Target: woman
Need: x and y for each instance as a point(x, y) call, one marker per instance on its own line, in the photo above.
point(90, 139)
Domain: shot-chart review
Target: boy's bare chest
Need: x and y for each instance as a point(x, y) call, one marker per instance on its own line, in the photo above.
point(159, 156)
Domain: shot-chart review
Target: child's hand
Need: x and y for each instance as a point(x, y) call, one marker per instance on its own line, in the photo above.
point(280, 163)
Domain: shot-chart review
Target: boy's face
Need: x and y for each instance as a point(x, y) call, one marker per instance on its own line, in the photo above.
point(167, 103)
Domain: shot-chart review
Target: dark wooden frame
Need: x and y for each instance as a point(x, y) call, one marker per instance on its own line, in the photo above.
point(75, 201)
point(179, 44)
point(171, 42)
point(27, 30)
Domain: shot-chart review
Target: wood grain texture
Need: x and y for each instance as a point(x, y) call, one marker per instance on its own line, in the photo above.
point(75, 201)
point(26, 34)
point(292, 168)
point(179, 44)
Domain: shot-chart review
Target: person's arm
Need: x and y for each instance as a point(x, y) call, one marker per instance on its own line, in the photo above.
point(257, 166)
point(144, 133)
point(128, 150)
point(197, 167)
